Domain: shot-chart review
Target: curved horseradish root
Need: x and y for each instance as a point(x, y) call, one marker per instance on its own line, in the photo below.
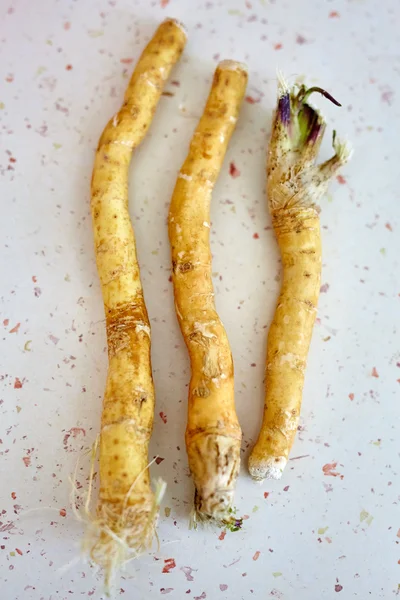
point(294, 185)
point(127, 508)
point(213, 434)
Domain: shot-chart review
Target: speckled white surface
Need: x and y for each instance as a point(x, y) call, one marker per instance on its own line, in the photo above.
point(330, 528)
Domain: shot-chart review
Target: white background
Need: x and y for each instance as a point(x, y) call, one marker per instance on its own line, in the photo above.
point(315, 535)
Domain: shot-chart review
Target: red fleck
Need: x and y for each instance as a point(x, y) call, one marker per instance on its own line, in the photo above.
point(175, 82)
point(329, 470)
point(223, 587)
point(27, 460)
point(164, 3)
point(169, 563)
point(158, 460)
point(256, 555)
point(266, 494)
point(334, 14)
point(286, 488)
point(163, 417)
point(233, 170)
point(338, 587)
point(300, 39)
point(63, 512)
point(18, 551)
point(252, 100)
point(256, 236)
point(374, 373)
point(68, 67)
point(388, 226)
point(67, 25)
point(6, 322)
point(170, 278)
point(17, 384)
point(10, 78)
point(341, 179)
point(324, 288)
point(126, 61)
point(13, 495)
point(15, 328)
point(75, 431)
point(351, 396)
point(222, 535)
point(278, 46)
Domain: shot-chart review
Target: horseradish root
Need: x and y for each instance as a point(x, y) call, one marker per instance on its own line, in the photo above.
point(213, 434)
point(294, 185)
point(127, 508)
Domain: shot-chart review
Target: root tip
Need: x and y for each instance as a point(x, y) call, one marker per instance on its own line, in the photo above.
point(268, 468)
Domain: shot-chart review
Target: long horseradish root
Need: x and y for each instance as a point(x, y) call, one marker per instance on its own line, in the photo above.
point(127, 508)
point(213, 434)
point(294, 185)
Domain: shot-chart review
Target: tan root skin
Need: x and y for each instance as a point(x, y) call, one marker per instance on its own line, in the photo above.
point(294, 185)
point(126, 502)
point(213, 434)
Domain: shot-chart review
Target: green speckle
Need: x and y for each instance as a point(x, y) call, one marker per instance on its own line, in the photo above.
point(365, 516)
point(27, 346)
point(155, 252)
point(255, 508)
point(2, 105)
point(67, 277)
point(234, 11)
point(233, 209)
point(167, 511)
point(383, 251)
point(57, 146)
point(40, 70)
point(329, 197)
point(12, 553)
point(377, 443)
point(322, 530)
point(277, 574)
point(95, 33)
point(19, 409)
point(49, 42)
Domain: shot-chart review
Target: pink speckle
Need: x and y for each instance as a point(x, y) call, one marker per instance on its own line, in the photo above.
point(18, 384)
point(54, 339)
point(126, 61)
point(223, 587)
point(351, 396)
point(188, 573)
point(6, 322)
point(340, 179)
point(201, 597)
point(15, 328)
point(18, 551)
point(286, 488)
point(233, 170)
point(256, 555)
point(334, 14)
point(166, 590)
point(164, 3)
point(324, 288)
point(329, 470)
point(222, 536)
point(67, 25)
point(37, 291)
point(256, 236)
point(374, 372)
point(10, 78)
point(300, 39)
point(163, 417)
point(169, 564)
point(388, 226)
point(63, 512)
point(387, 96)
point(14, 497)
point(338, 587)
point(27, 460)
point(398, 533)
point(278, 46)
